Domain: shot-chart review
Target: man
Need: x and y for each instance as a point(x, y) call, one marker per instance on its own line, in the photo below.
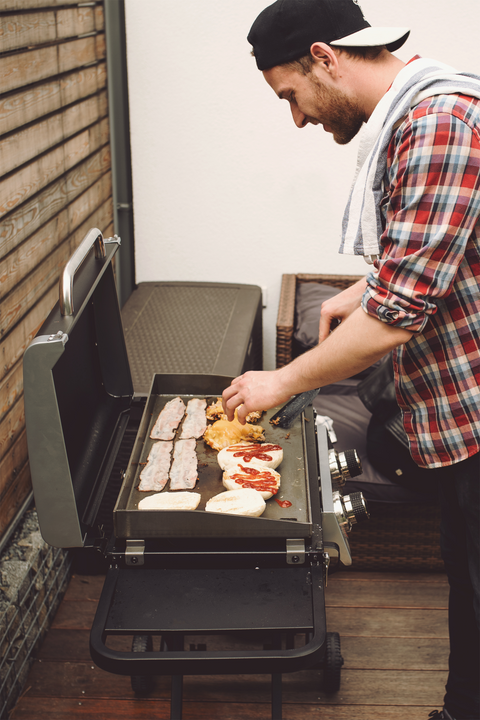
point(413, 213)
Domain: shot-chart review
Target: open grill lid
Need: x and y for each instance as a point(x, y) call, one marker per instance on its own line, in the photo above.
point(77, 390)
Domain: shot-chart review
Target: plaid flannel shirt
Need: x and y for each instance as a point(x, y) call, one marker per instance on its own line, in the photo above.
point(428, 277)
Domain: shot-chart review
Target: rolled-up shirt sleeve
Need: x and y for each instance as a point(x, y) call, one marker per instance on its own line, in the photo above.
point(430, 207)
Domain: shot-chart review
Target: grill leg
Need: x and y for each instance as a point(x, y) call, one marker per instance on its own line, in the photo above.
point(176, 697)
point(277, 696)
point(175, 642)
point(277, 683)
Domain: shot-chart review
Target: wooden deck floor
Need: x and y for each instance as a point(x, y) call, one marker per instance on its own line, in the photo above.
point(393, 631)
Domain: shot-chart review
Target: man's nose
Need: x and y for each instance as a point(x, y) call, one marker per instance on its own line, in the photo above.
point(299, 118)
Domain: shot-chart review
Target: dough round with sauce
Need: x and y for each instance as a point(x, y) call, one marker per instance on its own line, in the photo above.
point(229, 455)
point(240, 477)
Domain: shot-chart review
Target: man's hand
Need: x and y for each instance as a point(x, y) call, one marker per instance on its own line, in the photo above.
point(255, 390)
point(340, 307)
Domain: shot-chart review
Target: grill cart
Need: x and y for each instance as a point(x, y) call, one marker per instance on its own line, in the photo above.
point(174, 575)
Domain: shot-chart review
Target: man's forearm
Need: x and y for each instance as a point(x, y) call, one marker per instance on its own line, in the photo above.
point(356, 344)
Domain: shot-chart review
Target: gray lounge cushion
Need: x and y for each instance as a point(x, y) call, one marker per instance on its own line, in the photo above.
point(308, 300)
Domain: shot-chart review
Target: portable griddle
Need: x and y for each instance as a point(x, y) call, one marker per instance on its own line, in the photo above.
point(176, 574)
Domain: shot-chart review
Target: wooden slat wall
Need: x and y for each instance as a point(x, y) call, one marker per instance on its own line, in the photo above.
point(55, 184)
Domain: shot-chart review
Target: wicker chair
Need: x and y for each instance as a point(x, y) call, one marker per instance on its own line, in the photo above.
point(398, 537)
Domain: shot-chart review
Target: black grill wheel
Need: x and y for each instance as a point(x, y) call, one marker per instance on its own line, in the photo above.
point(333, 664)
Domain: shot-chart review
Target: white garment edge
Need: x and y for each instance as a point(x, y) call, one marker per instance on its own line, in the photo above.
point(361, 210)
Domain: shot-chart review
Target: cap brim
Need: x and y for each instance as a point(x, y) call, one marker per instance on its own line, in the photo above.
point(392, 38)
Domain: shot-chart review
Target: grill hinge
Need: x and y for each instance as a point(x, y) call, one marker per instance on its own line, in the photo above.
point(135, 552)
point(295, 551)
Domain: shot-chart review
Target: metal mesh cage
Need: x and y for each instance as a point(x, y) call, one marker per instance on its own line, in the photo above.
point(26, 618)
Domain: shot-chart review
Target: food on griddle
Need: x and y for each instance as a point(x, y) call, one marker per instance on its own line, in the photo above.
point(265, 454)
point(170, 501)
point(154, 475)
point(254, 416)
point(224, 433)
point(183, 473)
point(195, 423)
point(263, 480)
point(168, 420)
point(237, 502)
point(215, 412)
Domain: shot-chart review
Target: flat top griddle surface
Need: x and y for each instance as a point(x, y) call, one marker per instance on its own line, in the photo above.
point(209, 484)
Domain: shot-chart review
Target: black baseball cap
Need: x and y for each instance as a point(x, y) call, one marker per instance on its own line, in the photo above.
point(286, 30)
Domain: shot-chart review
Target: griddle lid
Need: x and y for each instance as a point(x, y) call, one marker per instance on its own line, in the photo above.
point(77, 391)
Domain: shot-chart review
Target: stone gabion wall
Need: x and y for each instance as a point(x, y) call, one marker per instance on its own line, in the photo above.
point(33, 580)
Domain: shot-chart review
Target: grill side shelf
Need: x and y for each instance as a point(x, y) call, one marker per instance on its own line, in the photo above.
point(181, 662)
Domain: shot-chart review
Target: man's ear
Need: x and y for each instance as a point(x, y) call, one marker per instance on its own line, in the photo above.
point(325, 56)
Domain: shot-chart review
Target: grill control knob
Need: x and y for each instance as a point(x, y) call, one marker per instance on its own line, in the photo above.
point(349, 509)
point(350, 464)
point(356, 507)
point(344, 466)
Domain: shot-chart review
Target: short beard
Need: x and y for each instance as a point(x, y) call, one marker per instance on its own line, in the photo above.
point(340, 113)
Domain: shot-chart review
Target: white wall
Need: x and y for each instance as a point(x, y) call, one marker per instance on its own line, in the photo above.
point(226, 188)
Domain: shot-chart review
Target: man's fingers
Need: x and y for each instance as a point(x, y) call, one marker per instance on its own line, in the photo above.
point(242, 413)
point(328, 322)
point(231, 399)
point(324, 327)
point(254, 390)
point(229, 408)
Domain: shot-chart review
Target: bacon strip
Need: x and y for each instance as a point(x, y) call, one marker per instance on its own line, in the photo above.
point(195, 423)
point(154, 475)
point(183, 474)
point(168, 420)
